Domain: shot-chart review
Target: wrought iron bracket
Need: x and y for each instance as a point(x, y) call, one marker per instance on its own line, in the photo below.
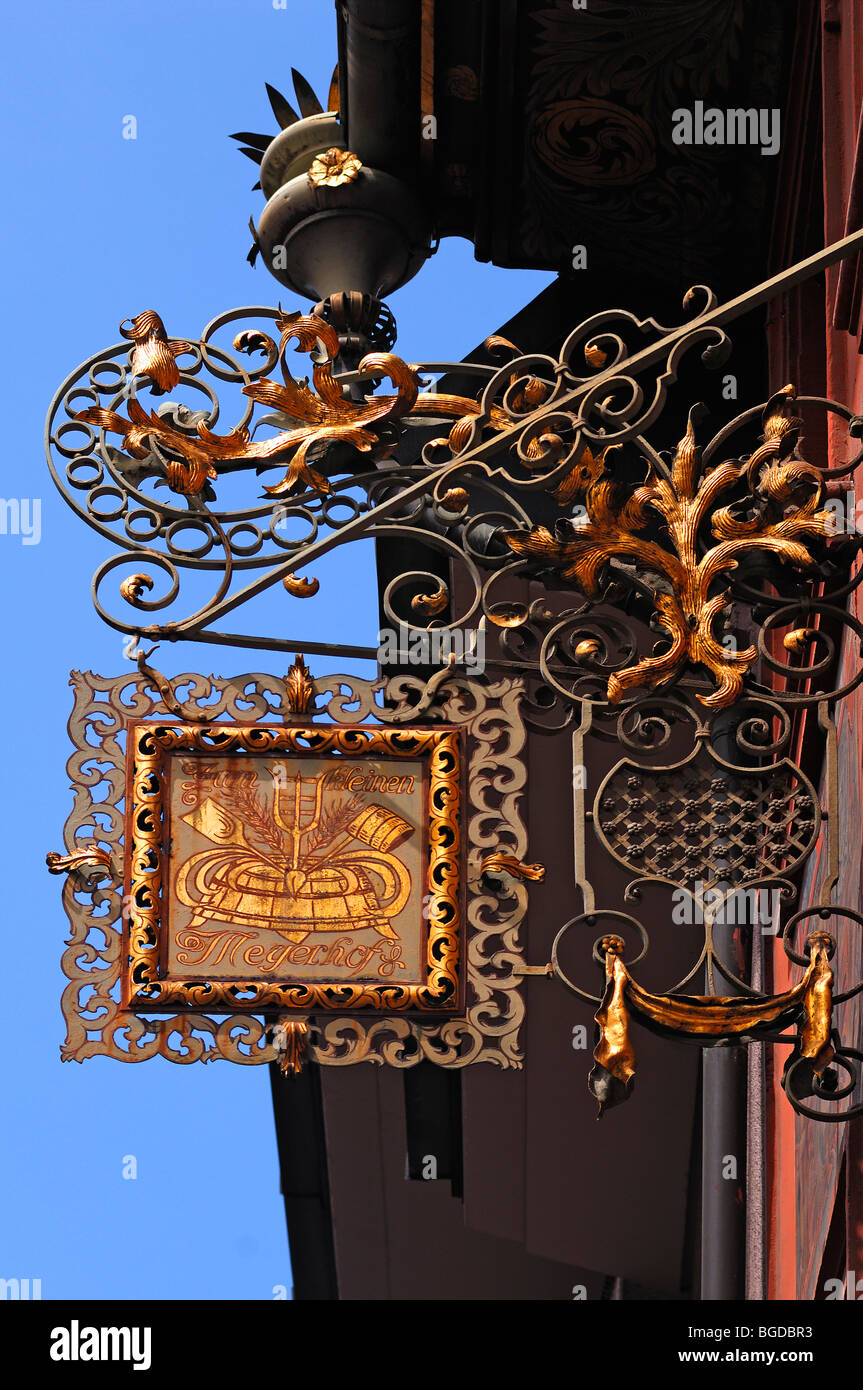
point(548, 473)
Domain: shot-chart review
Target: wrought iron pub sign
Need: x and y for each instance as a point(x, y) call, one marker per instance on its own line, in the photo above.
point(280, 864)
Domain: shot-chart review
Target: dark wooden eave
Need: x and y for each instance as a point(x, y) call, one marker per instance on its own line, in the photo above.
point(553, 126)
point(305, 1182)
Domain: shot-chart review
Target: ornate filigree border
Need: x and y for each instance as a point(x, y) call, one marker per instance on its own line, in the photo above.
point(143, 983)
point(98, 1024)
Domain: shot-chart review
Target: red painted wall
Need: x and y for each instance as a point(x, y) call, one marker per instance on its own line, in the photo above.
point(804, 1188)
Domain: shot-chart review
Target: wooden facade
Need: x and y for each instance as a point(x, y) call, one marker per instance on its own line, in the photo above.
point(814, 1214)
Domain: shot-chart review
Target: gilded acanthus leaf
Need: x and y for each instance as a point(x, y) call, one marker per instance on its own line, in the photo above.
point(155, 353)
point(431, 604)
point(815, 1042)
point(798, 640)
point(80, 860)
point(455, 499)
point(133, 588)
point(783, 495)
point(298, 686)
point(594, 355)
point(501, 862)
point(189, 474)
point(584, 472)
point(324, 415)
point(253, 340)
point(300, 587)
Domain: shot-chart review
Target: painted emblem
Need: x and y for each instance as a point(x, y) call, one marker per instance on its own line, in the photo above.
point(304, 855)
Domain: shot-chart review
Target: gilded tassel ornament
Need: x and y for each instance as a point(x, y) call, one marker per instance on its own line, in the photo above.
point(613, 1075)
point(291, 1040)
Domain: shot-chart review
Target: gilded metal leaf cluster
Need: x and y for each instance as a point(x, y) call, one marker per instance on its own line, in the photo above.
point(321, 415)
point(780, 513)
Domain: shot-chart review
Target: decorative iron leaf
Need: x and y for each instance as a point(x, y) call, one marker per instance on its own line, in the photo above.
point(282, 108)
point(258, 142)
point(333, 94)
point(306, 99)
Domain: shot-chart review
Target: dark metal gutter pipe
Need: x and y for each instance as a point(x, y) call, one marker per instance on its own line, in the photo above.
point(379, 68)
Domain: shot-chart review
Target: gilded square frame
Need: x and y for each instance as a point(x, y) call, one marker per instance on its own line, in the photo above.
point(488, 1028)
point(145, 986)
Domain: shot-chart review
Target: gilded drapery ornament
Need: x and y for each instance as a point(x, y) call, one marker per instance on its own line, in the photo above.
point(290, 1038)
point(710, 1017)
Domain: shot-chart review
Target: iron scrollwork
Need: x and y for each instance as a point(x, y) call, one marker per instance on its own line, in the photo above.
point(133, 445)
point(727, 828)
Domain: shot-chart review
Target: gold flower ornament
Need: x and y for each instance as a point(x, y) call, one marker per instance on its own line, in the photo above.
point(334, 167)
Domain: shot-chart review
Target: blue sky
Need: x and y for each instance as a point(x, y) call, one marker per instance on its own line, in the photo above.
point(98, 228)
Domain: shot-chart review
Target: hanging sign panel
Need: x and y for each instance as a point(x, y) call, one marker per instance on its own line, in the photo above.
point(307, 868)
point(267, 868)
